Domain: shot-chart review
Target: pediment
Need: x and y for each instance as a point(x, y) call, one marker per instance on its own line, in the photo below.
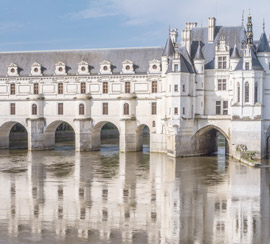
point(60, 64)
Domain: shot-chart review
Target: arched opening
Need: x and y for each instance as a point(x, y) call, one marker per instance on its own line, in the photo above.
point(18, 137)
point(105, 137)
point(211, 140)
point(60, 135)
point(143, 138)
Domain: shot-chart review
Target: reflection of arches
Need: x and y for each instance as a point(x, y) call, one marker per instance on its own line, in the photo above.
point(96, 133)
point(13, 135)
point(206, 139)
point(50, 133)
point(142, 136)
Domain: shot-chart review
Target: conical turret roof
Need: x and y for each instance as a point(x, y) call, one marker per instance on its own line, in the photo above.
point(169, 48)
point(199, 54)
point(235, 53)
point(263, 45)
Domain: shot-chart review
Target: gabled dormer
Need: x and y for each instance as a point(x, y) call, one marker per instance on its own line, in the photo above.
point(105, 67)
point(154, 66)
point(13, 70)
point(36, 69)
point(60, 68)
point(83, 68)
point(128, 67)
point(222, 56)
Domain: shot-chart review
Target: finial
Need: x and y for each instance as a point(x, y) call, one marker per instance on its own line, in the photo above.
point(243, 17)
point(263, 25)
point(249, 12)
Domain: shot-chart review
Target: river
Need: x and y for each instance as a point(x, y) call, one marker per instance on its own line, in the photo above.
point(64, 196)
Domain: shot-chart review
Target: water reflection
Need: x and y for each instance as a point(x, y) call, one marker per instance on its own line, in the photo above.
point(100, 197)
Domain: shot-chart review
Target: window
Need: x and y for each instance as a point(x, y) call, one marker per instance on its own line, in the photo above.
point(34, 109)
point(238, 92)
point(225, 107)
point(36, 88)
point(154, 86)
point(176, 68)
point(127, 87)
point(83, 88)
point(60, 108)
point(105, 87)
point(221, 84)
point(154, 123)
point(218, 107)
point(176, 111)
point(176, 88)
point(183, 110)
point(184, 88)
point(12, 89)
point(222, 62)
point(246, 92)
point(12, 109)
point(247, 66)
point(105, 108)
point(60, 88)
point(256, 93)
point(81, 109)
point(126, 109)
point(154, 108)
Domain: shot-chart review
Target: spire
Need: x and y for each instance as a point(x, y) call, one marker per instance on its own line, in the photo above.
point(263, 45)
point(235, 53)
point(199, 54)
point(169, 48)
point(249, 33)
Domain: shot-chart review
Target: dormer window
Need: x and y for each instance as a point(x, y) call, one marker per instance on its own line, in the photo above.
point(154, 66)
point(60, 69)
point(128, 67)
point(222, 62)
point(105, 67)
point(247, 66)
point(36, 69)
point(83, 68)
point(13, 70)
point(176, 68)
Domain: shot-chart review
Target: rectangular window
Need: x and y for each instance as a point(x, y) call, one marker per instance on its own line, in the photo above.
point(83, 87)
point(218, 107)
point(105, 110)
point(12, 109)
point(105, 87)
point(154, 86)
point(176, 88)
point(60, 88)
point(154, 108)
point(184, 88)
point(222, 84)
point(247, 65)
point(127, 87)
point(60, 108)
point(256, 93)
point(222, 62)
point(238, 93)
point(183, 110)
point(12, 89)
point(36, 89)
point(176, 68)
point(153, 123)
point(176, 111)
point(225, 107)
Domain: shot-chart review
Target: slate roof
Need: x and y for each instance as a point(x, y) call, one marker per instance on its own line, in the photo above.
point(169, 48)
point(263, 45)
point(199, 54)
point(235, 53)
point(71, 58)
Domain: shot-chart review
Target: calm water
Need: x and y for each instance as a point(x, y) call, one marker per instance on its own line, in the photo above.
point(106, 197)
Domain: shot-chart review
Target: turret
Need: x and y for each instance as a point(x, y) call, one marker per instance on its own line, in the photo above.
point(263, 51)
point(168, 52)
point(199, 60)
point(235, 57)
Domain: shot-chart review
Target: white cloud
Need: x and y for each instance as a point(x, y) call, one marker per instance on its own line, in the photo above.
point(10, 26)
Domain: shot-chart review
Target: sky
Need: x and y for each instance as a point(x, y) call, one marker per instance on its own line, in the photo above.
point(84, 24)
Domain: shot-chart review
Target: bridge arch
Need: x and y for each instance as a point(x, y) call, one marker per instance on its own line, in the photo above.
point(51, 136)
point(143, 137)
point(13, 134)
point(206, 139)
point(96, 133)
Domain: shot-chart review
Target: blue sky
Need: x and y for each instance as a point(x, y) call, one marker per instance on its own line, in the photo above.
point(82, 24)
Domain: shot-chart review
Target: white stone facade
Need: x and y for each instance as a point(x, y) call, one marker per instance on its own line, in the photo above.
point(215, 79)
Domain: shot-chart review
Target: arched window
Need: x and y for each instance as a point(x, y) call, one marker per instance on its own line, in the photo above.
point(34, 109)
point(238, 92)
point(256, 93)
point(81, 109)
point(246, 92)
point(126, 109)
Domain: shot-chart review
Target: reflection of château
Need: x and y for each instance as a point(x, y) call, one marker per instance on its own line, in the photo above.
point(167, 203)
point(215, 80)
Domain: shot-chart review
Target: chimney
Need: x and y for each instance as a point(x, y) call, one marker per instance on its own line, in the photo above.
point(174, 35)
point(186, 35)
point(211, 29)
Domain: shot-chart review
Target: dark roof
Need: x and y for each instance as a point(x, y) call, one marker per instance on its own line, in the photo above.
point(71, 58)
point(233, 35)
point(235, 53)
point(263, 45)
point(199, 54)
point(255, 63)
point(169, 48)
